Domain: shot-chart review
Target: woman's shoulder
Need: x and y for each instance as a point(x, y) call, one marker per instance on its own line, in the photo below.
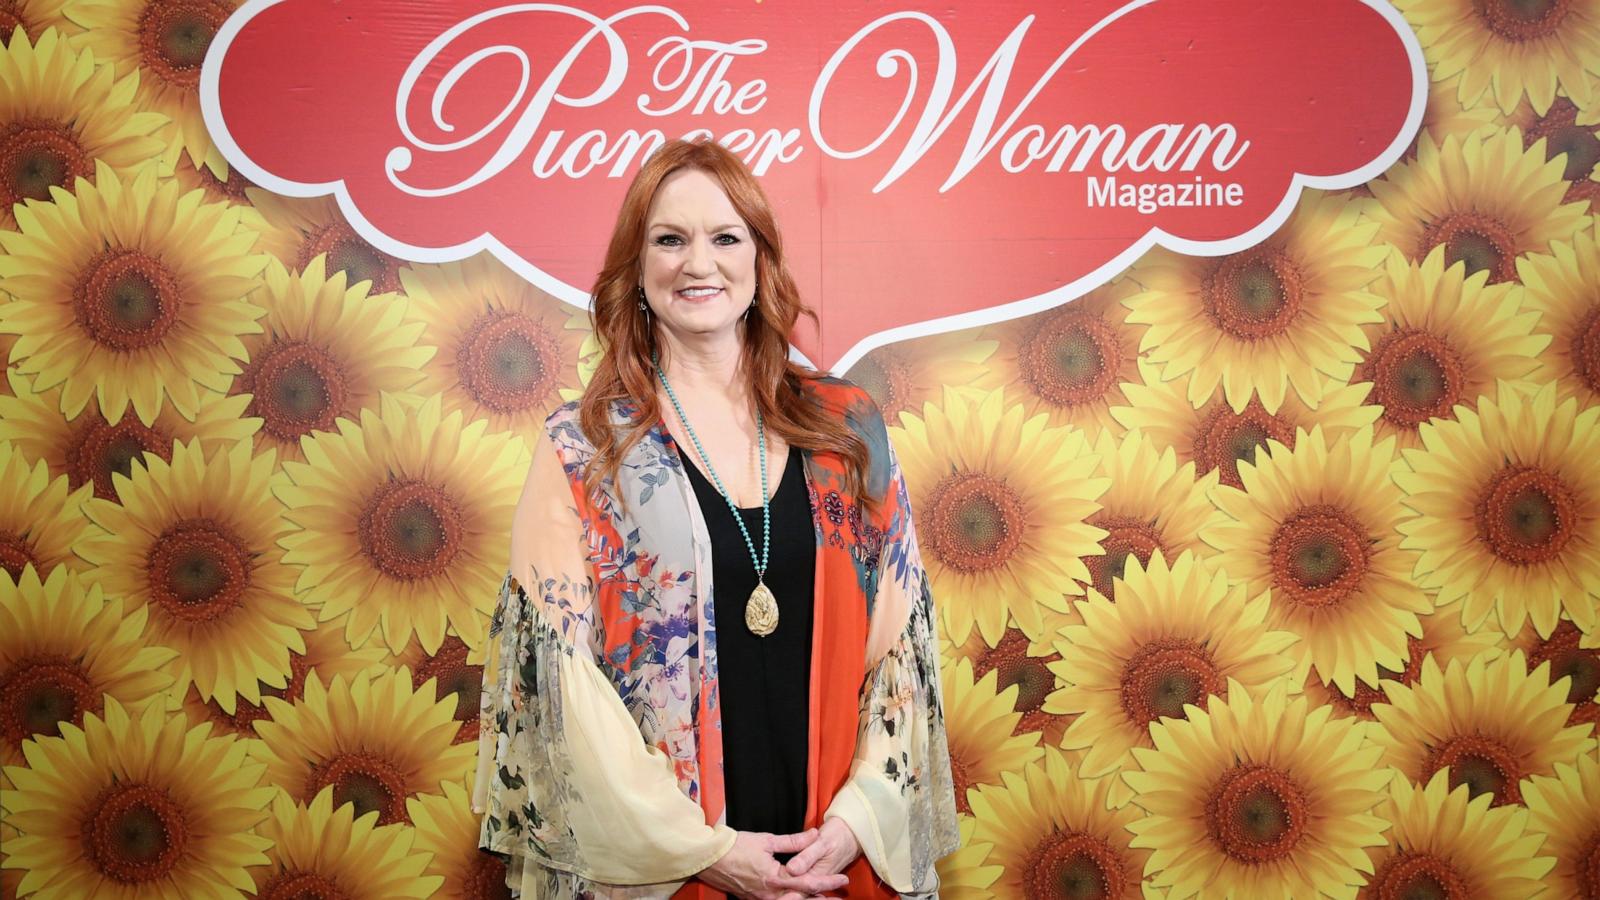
point(564, 424)
point(847, 399)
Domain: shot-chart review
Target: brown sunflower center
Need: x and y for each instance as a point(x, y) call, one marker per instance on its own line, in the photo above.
point(366, 779)
point(1484, 765)
point(487, 880)
point(37, 155)
point(1071, 360)
point(1361, 703)
point(1075, 865)
point(961, 779)
point(1126, 537)
point(456, 677)
point(135, 833)
point(297, 388)
point(174, 36)
point(887, 380)
point(16, 554)
point(1416, 376)
point(1482, 242)
point(1525, 515)
point(1417, 876)
point(411, 529)
point(1586, 866)
point(1224, 439)
point(1257, 813)
point(198, 570)
point(1564, 136)
point(10, 20)
point(39, 693)
point(1253, 295)
point(242, 720)
point(97, 450)
point(126, 300)
point(348, 253)
point(1010, 661)
point(1319, 555)
point(1165, 675)
point(1586, 349)
point(1522, 20)
point(977, 521)
point(1567, 657)
point(508, 362)
point(301, 886)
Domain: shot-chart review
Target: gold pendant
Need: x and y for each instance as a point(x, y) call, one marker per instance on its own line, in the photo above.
point(761, 611)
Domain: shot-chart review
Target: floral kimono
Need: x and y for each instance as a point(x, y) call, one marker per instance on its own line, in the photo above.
point(600, 762)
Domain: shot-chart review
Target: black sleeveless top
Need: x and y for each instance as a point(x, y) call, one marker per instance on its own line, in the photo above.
point(765, 682)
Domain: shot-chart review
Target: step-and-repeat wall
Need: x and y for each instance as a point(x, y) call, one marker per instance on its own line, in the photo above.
point(1243, 359)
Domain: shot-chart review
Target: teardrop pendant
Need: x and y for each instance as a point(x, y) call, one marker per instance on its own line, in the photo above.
point(761, 611)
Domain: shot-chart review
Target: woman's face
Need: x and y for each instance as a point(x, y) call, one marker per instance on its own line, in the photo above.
point(699, 258)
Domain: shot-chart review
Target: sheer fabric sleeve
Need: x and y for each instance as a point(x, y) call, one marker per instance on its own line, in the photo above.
point(899, 801)
point(567, 787)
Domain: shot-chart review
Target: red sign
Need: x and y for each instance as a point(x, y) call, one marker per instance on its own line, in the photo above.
point(933, 167)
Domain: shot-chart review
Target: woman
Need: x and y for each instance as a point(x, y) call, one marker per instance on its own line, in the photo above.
point(713, 552)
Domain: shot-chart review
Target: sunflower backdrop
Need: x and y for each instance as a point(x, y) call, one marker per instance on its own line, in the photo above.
point(1264, 576)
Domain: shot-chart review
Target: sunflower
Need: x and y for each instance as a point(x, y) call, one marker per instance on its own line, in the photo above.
point(1257, 798)
point(326, 353)
point(508, 352)
point(1018, 660)
point(41, 519)
point(1216, 439)
point(320, 851)
point(1482, 196)
point(128, 806)
point(1055, 835)
point(372, 737)
point(1002, 504)
point(1491, 721)
point(1071, 361)
point(1443, 638)
point(130, 293)
point(906, 374)
point(447, 829)
point(1441, 843)
point(164, 41)
point(1512, 47)
point(89, 450)
point(296, 231)
point(1506, 503)
point(1445, 114)
point(1176, 634)
point(1565, 807)
point(59, 112)
point(455, 669)
point(401, 521)
point(1560, 288)
point(1287, 311)
point(1153, 504)
point(1568, 131)
point(193, 542)
point(1445, 339)
point(64, 648)
point(1572, 663)
point(219, 190)
point(981, 723)
point(34, 17)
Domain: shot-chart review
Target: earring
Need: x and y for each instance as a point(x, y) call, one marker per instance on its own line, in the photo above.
point(643, 307)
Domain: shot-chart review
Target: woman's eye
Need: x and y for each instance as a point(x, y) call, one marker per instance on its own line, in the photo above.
point(731, 240)
point(668, 240)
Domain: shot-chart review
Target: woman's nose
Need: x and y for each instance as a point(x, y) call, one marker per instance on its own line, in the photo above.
point(699, 259)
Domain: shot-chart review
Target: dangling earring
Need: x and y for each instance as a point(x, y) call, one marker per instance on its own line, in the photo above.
point(755, 297)
point(643, 306)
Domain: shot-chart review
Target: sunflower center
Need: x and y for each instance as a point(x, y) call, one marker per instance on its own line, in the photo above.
point(365, 779)
point(1522, 20)
point(1418, 876)
point(1319, 555)
point(174, 36)
point(1525, 515)
point(1484, 765)
point(242, 720)
point(1257, 813)
point(1010, 661)
point(1225, 438)
point(411, 529)
point(1416, 376)
point(1586, 350)
point(961, 779)
point(39, 693)
point(1587, 867)
point(126, 300)
point(1071, 360)
point(1482, 242)
point(198, 571)
point(1074, 865)
point(98, 450)
point(1568, 659)
point(487, 880)
point(16, 554)
point(348, 253)
point(887, 380)
point(1253, 295)
point(1126, 537)
point(508, 362)
point(1563, 135)
point(37, 155)
point(11, 19)
point(1366, 695)
point(301, 886)
point(977, 521)
point(455, 676)
point(1164, 676)
point(297, 387)
point(135, 833)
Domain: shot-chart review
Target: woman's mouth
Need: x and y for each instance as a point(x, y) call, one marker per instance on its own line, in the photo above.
point(698, 293)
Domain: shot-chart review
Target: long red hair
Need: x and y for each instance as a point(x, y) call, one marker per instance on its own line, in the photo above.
point(627, 336)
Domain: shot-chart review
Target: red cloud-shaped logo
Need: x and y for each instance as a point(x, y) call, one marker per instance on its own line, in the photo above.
point(932, 171)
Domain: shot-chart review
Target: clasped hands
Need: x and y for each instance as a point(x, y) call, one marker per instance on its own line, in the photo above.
point(749, 869)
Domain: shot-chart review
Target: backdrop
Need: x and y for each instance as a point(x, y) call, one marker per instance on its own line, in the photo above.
point(1243, 360)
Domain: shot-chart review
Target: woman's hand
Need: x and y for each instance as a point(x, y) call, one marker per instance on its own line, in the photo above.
point(748, 869)
point(834, 848)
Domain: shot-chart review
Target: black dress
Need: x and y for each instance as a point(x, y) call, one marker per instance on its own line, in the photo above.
point(765, 681)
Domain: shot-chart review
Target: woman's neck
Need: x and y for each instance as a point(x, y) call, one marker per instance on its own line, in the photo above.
point(704, 367)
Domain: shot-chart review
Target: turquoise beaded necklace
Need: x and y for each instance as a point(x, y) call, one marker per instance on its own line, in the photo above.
point(761, 611)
